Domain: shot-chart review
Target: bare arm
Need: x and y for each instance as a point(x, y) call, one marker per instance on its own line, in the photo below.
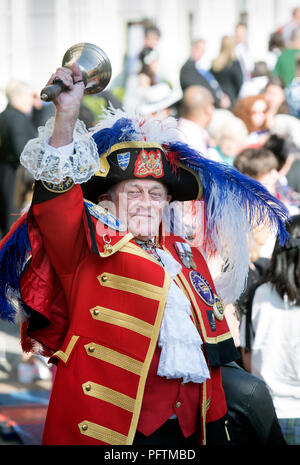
point(67, 105)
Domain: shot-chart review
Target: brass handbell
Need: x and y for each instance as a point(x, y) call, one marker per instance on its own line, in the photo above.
point(94, 65)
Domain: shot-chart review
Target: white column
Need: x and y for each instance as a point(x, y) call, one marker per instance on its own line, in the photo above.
point(213, 20)
point(19, 58)
point(260, 25)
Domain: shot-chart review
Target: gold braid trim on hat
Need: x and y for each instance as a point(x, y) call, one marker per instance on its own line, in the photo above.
point(104, 165)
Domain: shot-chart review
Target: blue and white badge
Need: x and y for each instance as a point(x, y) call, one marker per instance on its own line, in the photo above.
point(105, 216)
point(202, 288)
point(123, 160)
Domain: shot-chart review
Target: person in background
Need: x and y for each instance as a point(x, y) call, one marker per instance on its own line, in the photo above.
point(131, 62)
point(275, 46)
point(287, 29)
point(288, 187)
point(230, 139)
point(152, 36)
point(286, 64)
point(192, 74)
point(139, 84)
point(292, 92)
point(252, 110)
point(242, 50)
point(270, 334)
point(250, 407)
point(262, 165)
point(276, 100)
point(160, 101)
point(195, 116)
point(258, 81)
point(16, 128)
point(227, 69)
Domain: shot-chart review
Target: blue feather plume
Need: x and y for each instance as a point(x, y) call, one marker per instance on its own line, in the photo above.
point(13, 255)
point(251, 195)
point(121, 131)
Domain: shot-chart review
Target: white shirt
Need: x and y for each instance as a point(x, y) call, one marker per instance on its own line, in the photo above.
point(197, 138)
point(275, 356)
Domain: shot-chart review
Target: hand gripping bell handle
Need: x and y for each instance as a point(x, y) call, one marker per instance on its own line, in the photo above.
point(52, 91)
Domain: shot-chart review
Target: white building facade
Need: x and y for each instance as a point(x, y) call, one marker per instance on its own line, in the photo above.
point(34, 34)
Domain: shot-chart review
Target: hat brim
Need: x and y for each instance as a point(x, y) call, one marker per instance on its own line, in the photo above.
point(142, 160)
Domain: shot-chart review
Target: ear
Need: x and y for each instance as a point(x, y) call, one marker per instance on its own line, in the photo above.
point(103, 197)
point(169, 197)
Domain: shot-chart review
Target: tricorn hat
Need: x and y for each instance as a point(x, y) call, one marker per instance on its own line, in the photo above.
point(140, 148)
point(142, 160)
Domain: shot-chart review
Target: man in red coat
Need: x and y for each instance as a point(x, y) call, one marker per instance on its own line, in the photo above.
point(126, 309)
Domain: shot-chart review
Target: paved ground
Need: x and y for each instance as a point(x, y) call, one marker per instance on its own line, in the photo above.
point(11, 385)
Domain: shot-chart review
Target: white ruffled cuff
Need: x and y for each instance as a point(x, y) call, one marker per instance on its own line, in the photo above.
point(78, 160)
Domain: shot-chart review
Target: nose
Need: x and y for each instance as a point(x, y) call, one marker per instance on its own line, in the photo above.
point(146, 198)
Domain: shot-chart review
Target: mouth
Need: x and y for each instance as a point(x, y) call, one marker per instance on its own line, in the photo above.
point(142, 215)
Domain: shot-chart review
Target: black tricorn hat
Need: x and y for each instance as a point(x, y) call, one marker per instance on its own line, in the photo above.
point(142, 160)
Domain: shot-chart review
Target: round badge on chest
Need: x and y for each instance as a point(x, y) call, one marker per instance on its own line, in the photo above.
point(202, 288)
point(218, 309)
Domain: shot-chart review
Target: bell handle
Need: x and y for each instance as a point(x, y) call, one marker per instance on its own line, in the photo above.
point(52, 91)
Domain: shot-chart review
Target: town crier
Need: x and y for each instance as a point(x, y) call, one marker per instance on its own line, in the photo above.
point(104, 283)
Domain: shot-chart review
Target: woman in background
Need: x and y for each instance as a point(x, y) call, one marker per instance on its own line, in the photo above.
point(227, 69)
point(270, 332)
point(253, 111)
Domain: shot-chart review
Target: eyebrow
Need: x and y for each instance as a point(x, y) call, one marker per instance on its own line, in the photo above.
point(151, 188)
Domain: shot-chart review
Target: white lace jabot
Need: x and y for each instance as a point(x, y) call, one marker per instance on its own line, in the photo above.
point(179, 340)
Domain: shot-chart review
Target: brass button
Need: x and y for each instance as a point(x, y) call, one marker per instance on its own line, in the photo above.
point(96, 312)
point(88, 387)
point(104, 278)
point(84, 427)
point(178, 404)
point(91, 349)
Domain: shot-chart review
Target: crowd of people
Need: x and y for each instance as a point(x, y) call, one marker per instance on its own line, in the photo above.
point(237, 113)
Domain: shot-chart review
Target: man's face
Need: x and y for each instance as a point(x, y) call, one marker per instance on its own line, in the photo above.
point(198, 50)
point(240, 33)
point(139, 204)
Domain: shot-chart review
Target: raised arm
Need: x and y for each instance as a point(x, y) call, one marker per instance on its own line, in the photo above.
point(60, 158)
point(67, 104)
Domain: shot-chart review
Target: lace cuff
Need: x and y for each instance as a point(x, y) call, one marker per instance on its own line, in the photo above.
point(50, 164)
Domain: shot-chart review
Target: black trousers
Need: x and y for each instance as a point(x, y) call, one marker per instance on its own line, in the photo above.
point(169, 434)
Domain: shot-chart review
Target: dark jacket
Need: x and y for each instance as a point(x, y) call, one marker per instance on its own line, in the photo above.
point(16, 129)
point(251, 411)
point(190, 76)
point(230, 79)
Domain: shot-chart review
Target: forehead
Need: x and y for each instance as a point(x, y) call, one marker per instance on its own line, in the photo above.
point(144, 184)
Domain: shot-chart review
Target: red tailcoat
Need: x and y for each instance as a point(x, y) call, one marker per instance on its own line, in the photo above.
point(98, 311)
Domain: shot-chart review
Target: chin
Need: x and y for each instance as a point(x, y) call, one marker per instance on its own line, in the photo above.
point(143, 234)
point(140, 229)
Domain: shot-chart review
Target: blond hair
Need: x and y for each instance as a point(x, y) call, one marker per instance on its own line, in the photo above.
point(226, 55)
